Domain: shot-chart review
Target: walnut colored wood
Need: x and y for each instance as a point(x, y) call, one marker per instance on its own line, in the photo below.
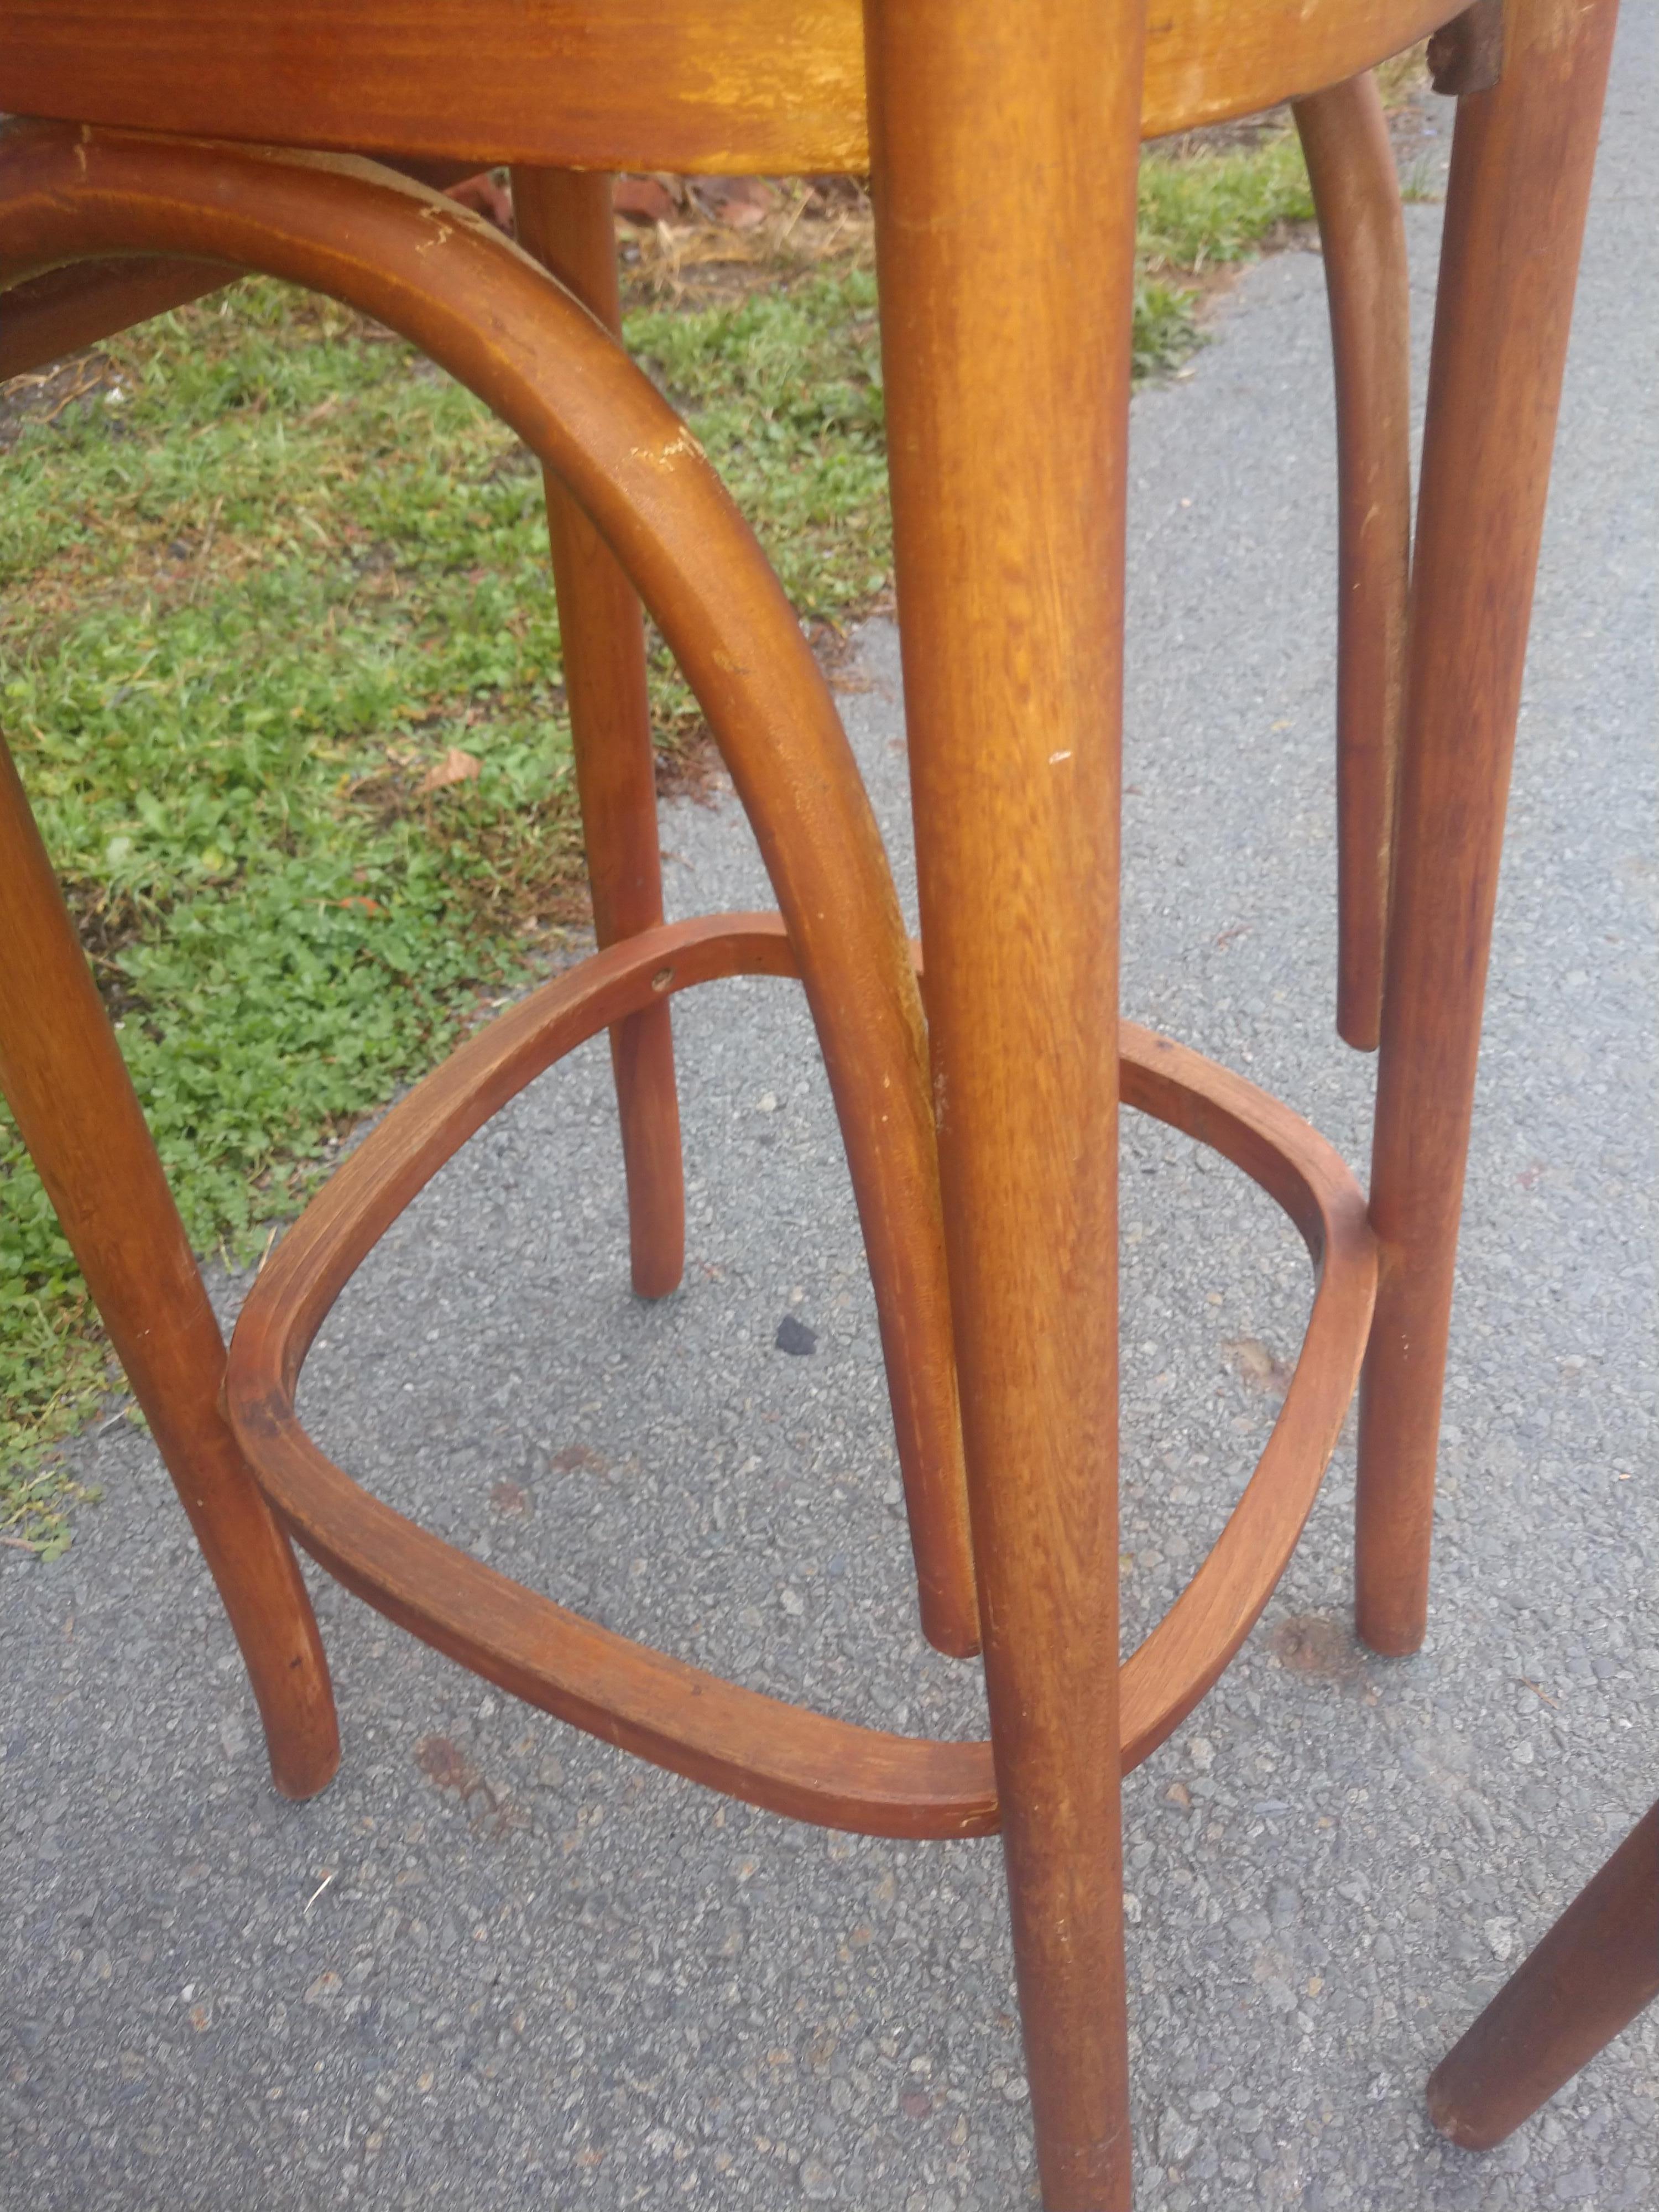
point(1522, 156)
point(1355, 189)
point(782, 1757)
point(564, 219)
point(1007, 388)
point(1587, 1979)
point(767, 86)
point(488, 314)
point(65, 1079)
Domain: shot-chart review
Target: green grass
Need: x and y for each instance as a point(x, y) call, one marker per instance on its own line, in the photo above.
point(262, 582)
point(1215, 207)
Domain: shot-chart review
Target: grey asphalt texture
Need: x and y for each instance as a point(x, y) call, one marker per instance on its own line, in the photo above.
point(496, 1964)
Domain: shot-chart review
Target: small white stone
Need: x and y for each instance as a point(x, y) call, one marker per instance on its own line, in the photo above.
point(1178, 2138)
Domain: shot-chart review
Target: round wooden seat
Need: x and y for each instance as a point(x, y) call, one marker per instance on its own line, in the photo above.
point(784, 1757)
point(749, 85)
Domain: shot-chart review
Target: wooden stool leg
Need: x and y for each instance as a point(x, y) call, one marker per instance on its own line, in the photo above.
point(1522, 157)
point(1345, 136)
point(65, 1079)
point(1587, 1979)
point(564, 219)
point(1007, 392)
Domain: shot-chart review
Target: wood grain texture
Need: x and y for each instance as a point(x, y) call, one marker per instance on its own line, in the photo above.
point(1006, 385)
point(1589, 1977)
point(1356, 189)
point(63, 1077)
point(784, 1758)
point(770, 85)
point(564, 221)
point(1522, 158)
point(491, 316)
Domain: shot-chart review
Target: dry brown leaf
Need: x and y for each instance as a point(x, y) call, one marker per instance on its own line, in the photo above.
point(455, 767)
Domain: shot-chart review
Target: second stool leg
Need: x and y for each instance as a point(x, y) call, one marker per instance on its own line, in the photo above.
point(1007, 395)
point(65, 1079)
point(1585, 1981)
point(1344, 136)
point(564, 219)
point(1522, 158)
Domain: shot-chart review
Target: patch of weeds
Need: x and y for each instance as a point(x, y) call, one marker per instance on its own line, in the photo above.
point(53, 1378)
point(1218, 205)
point(783, 389)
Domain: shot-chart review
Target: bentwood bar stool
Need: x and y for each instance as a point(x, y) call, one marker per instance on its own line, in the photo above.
point(172, 142)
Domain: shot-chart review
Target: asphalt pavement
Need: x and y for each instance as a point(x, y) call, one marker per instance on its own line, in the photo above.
point(497, 1964)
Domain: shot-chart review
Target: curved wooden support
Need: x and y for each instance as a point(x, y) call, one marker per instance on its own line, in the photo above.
point(1355, 189)
point(768, 1753)
point(499, 323)
point(63, 1077)
point(57, 314)
point(564, 219)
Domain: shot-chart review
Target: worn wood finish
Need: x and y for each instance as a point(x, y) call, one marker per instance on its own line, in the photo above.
point(767, 86)
point(1522, 157)
point(1587, 1979)
point(786, 1758)
point(491, 316)
point(1355, 189)
point(65, 1079)
point(564, 219)
point(1007, 409)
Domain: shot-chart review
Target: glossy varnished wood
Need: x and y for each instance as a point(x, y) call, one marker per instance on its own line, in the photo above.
point(564, 219)
point(749, 85)
point(786, 1758)
point(1589, 1977)
point(1355, 189)
point(1008, 385)
point(1522, 158)
point(62, 1076)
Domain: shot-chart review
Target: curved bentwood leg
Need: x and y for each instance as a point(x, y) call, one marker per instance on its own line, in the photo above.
point(1355, 189)
point(564, 219)
point(1522, 157)
point(499, 323)
point(1007, 397)
point(65, 1081)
